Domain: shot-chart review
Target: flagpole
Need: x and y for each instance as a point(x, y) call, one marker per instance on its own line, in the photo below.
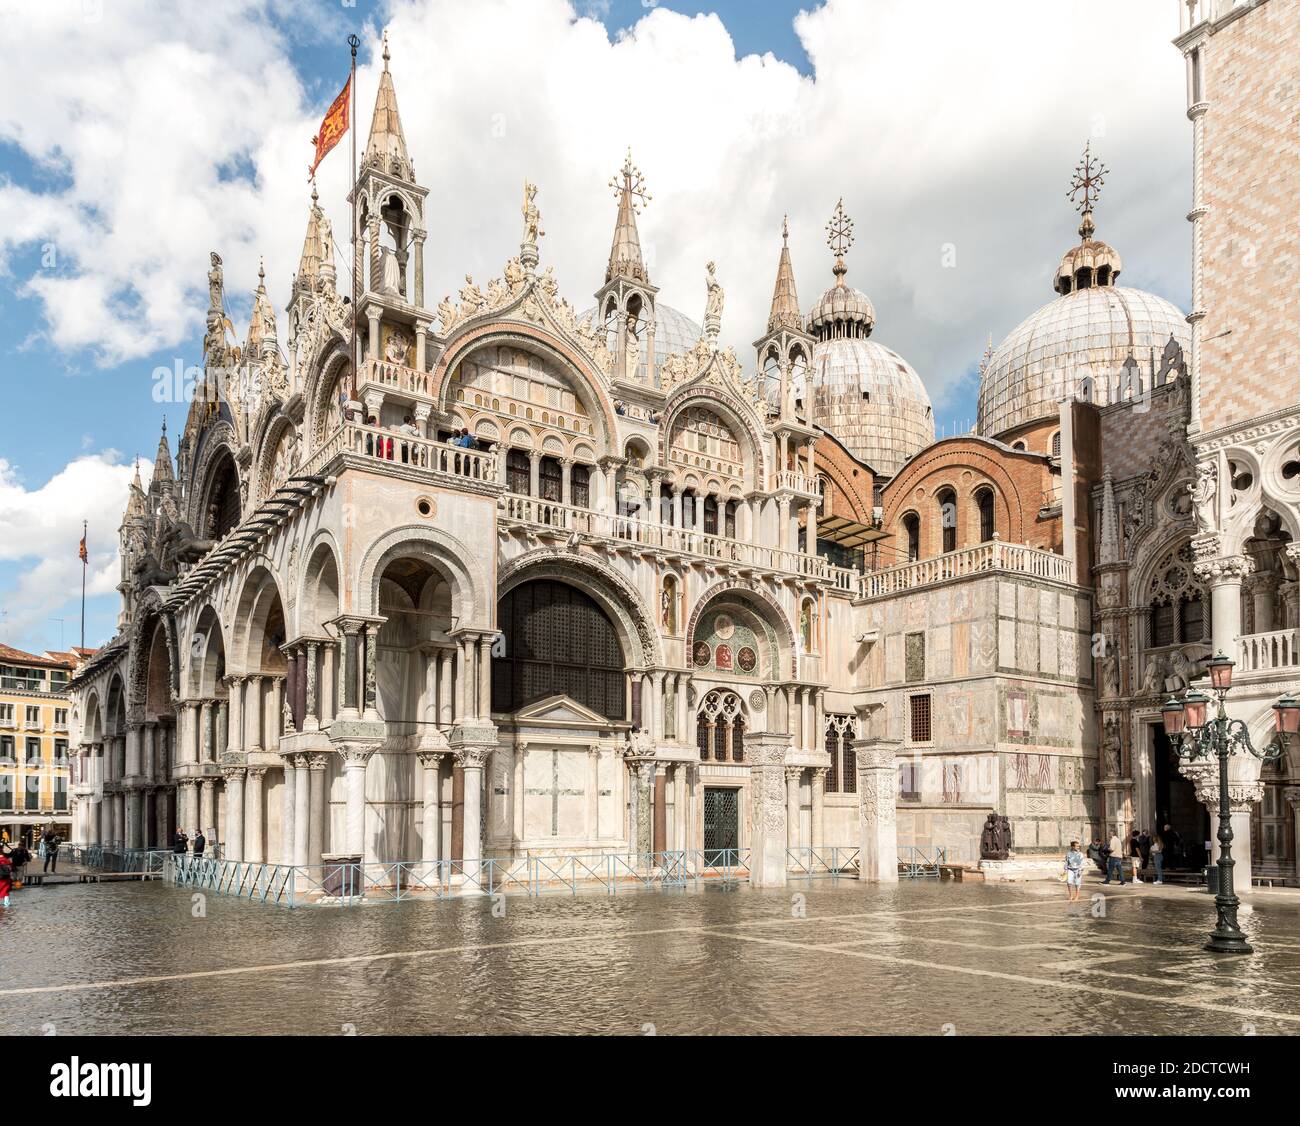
point(83, 585)
point(354, 43)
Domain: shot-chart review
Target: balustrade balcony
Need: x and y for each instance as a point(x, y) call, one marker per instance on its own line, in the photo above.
point(969, 561)
point(564, 518)
point(396, 377)
point(438, 459)
point(1277, 649)
point(790, 480)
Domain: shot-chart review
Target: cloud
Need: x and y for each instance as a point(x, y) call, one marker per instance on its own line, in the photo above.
point(949, 128)
point(40, 529)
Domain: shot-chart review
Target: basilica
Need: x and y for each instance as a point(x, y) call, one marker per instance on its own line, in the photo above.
point(439, 578)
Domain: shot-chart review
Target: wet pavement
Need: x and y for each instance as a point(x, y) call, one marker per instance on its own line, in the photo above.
point(819, 957)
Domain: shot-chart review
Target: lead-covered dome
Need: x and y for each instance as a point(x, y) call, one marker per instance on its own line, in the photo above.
point(864, 393)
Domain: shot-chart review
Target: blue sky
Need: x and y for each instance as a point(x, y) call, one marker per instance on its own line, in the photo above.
point(162, 133)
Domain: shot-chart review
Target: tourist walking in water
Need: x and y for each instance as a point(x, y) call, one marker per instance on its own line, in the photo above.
point(51, 841)
point(1158, 858)
point(1135, 852)
point(1073, 872)
point(1114, 859)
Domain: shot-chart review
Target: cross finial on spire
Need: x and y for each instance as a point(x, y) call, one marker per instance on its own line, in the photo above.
point(839, 237)
point(386, 54)
point(1085, 189)
point(630, 180)
point(785, 229)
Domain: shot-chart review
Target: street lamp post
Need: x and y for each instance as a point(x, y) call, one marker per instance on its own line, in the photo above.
point(1197, 737)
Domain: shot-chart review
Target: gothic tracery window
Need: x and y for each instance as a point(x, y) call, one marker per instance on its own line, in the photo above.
point(1176, 608)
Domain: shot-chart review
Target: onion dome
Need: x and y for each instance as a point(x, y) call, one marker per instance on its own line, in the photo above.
point(864, 393)
point(1081, 343)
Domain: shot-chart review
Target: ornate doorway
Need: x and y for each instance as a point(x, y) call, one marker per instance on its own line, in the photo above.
point(721, 821)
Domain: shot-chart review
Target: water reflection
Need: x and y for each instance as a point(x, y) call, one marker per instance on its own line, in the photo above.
point(845, 959)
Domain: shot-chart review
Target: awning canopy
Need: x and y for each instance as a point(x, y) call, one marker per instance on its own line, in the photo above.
point(848, 533)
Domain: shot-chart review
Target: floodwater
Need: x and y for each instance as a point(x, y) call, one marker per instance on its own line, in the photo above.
point(818, 957)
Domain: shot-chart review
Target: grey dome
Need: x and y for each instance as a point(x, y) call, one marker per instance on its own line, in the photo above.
point(675, 333)
point(872, 400)
point(1087, 334)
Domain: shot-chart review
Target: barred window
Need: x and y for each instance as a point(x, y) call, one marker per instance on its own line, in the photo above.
point(702, 739)
point(850, 768)
point(580, 486)
point(920, 729)
point(1164, 624)
point(738, 739)
point(833, 749)
point(518, 472)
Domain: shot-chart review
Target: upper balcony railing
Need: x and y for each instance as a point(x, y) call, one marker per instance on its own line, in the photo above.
point(1192, 12)
point(559, 517)
point(1277, 649)
point(970, 561)
point(794, 481)
point(440, 459)
point(397, 377)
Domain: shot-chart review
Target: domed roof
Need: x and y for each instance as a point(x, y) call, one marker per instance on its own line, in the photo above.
point(872, 400)
point(865, 394)
point(1087, 334)
point(675, 333)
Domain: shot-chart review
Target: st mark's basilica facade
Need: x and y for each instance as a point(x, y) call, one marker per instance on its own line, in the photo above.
point(662, 598)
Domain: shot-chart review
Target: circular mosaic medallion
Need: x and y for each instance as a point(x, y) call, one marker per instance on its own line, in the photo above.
point(746, 659)
point(757, 700)
point(703, 654)
point(723, 626)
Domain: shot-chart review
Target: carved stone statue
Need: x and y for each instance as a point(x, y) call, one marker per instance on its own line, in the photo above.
point(471, 297)
point(1203, 492)
point(447, 313)
point(1110, 672)
point(713, 305)
point(1181, 671)
point(995, 838)
point(1153, 678)
point(214, 281)
point(532, 217)
point(1111, 746)
point(287, 728)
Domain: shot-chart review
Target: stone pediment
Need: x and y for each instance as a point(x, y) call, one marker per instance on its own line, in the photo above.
point(560, 710)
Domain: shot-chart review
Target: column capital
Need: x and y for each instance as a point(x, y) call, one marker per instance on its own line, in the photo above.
point(1224, 569)
point(256, 773)
point(232, 773)
point(431, 758)
point(793, 773)
point(318, 762)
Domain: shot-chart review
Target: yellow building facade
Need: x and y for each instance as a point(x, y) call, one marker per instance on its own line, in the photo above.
point(34, 760)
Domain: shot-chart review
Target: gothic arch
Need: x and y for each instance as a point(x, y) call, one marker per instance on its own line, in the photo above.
point(472, 603)
point(333, 365)
point(468, 338)
point(620, 600)
point(766, 608)
point(273, 426)
point(217, 444)
point(732, 411)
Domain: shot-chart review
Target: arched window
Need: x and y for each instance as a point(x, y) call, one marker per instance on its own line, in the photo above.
point(912, 529)
point(580, 486)
point(1056, 444)
point(688, 510)
point(947, 501)
point(984, 499)
point(665, 505)
point(711, 515)
point(550, 479)
point(557, 640)
point(518, 472)
point(729, 522)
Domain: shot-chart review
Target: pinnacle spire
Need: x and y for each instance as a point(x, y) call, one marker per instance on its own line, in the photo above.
point(785, 299)
point(313, 252)
point(1108, 551)
point(625, 252)
point(386, 148)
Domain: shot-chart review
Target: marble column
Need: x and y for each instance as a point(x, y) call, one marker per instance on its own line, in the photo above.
point(1224, 577)
point(253, 810)
point(205, 731)
point(768, 839)
point(275, 713)
point(431, 823)
point(793, 781)
point(484, 670)
point(371, 672)
point(208, 809)
point(660, 811)
point(253, 715)
point(288, 811)
point(164, 811)
point(301, 810)
point(234, 827)
point(877, 809)
point(473, 762)
point(446, 686)
point(355, 759)
point(818, 807)
point(311, 720)
point(644, 788)
point(235, 724)
point(318, 767)
point(134, 825)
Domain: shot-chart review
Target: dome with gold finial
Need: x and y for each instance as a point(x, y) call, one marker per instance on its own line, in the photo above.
point(1097, 340)
point(864, 393)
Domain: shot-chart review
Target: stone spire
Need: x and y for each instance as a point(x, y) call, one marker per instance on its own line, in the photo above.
point(625, 253)
point(163, 478)
point(1108, 551)
point(785, 300)
point(386, 148)
point(261, 327)
point(313, 252)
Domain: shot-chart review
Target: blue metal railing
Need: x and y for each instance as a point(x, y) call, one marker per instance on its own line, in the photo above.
point(917, 862)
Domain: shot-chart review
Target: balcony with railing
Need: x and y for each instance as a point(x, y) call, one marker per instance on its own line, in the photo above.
point(969, 562)
point(1266, 652)
point(439, 460)
point(565, 519)
point(399, 378)
point(790, 480)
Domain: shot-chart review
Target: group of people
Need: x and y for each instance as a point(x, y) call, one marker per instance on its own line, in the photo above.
point(14, 859)
point(1143, 850)
point(181, 843)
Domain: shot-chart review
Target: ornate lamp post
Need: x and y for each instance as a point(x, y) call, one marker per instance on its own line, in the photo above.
point(1197, 737)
